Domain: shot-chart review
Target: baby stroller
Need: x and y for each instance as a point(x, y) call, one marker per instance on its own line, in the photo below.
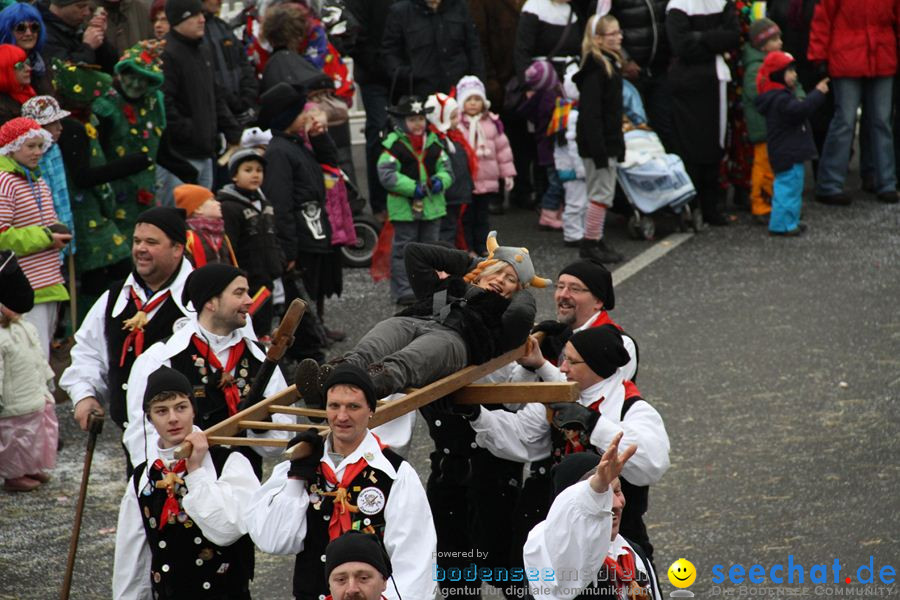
point(651, 179)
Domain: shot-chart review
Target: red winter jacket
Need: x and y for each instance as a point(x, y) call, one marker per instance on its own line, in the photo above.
point(858, 38)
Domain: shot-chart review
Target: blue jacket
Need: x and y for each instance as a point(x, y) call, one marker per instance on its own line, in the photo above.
point(788, 133)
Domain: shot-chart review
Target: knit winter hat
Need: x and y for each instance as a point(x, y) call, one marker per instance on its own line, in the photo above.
point(44, 110)
point(470, 86)
point(190, 197)
point(79, 84)
point(207, 282)
point(181, 10)
point(596, 277)
point(169, 220)
point(771, 73)
point(356, 546)
point(517, 257)
point(242, 156)
point(346, 373)
point(540, 76)
point(761, 31)
point(442, 106)
point(144, 58)
point(165, 379)
point(15, 132)
point(601, 348)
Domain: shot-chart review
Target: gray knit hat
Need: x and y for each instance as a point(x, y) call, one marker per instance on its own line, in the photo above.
point(761, 31)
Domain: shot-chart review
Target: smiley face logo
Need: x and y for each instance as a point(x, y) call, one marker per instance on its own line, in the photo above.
point(682, 573)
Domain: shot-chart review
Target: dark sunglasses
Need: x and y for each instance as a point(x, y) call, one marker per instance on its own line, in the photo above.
point(30, 26)
point(22, 65)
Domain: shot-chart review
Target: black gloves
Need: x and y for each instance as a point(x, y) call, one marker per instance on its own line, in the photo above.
point(445, 405)
point(551, 328)
point(305, 468)
point(571, 415)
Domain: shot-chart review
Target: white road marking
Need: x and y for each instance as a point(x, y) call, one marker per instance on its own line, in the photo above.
point(649, 256)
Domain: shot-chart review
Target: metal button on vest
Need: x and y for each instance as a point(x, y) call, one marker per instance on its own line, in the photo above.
point(162, 543)
point(542, 470)
point(323, 558)
point(206, 585)
point(199, 562)
point(327, 517)
point(198, 540)
point(474, 445)
point(446, 450)
point(321, 597)
point(165, 568)
point(124, 386)
point(437, 423)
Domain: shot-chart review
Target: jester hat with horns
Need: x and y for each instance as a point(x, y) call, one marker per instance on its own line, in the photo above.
point(517, 257)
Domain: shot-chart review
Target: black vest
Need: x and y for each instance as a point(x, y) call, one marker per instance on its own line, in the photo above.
point(636, 496)
point(409, 162)
point(184, 563)
point(370, 492)
point(159, 328)
point(209, 400)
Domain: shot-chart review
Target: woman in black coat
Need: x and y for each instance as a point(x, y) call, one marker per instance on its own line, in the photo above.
point(700, 33)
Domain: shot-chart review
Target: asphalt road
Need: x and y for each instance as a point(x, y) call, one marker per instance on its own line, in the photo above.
point(775, 364)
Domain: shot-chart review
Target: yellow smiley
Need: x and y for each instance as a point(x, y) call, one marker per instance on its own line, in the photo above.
point(682, 573)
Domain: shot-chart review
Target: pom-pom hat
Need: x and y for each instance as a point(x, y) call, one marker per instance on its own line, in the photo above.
point(15, 132)
point(470, 86)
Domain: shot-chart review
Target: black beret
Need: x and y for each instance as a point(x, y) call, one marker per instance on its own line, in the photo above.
point(208, 282)
point(355, 546)
point(597, 279)
point(346, 373)
point(170, 220)
point(572, 469)
point(166, 379)
point(601, 348)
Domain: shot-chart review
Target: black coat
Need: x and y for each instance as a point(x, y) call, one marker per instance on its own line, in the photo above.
point(196, 110)
point(460, 191)
point(643, 24)
point(599, 130)
point(489, 323)
point(695, 41)
point(64, 42)
point(235, 76)
point(295, 186)
point(252, 233)
point(788, 134)
point(434, 48)
point(368, 63)
point(290, 67)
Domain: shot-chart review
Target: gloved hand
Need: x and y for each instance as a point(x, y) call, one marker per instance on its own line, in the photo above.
point(437, 186)
point(305, 468)
point(420, 192)
point(551, 328)
point(470, 412)
point(571, 415)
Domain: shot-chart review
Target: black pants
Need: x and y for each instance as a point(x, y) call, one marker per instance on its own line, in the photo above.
point(657, 99)
point(706, 181)
point(477, 221)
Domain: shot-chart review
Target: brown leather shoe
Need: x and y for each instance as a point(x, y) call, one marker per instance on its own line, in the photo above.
point(39, 477)
point(21, 484)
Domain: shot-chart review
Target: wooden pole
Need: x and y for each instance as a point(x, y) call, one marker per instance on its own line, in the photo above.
point(73, 297)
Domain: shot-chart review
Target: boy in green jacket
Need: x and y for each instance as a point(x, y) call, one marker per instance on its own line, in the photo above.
point(415, 171)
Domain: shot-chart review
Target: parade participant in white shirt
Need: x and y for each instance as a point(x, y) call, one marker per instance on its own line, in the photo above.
point(356, 567)
point(348, 482)
point(608, 405)
point(180, 533)
point(129, 317)
point(217, 355)
point(580, 536)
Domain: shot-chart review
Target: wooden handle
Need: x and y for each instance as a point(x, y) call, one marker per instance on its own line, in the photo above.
point(301, 450)
point(283, 337)
point(184, 450)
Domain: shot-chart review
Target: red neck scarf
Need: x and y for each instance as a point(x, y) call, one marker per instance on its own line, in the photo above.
point(211, 229)
point(417, 142)
point(226, 379)
point(340, 517)
point(170, 479)
point(136, 324)
point(458, 138)
point(624, 576)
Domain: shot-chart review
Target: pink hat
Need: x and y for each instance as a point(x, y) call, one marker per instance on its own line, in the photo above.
point(15, 132)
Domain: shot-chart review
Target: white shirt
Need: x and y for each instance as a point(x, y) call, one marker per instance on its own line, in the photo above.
point(276, 519)
point(213, 503)
point(87, 375)
point(524, 436)
point(139, 434)
point(574, 540)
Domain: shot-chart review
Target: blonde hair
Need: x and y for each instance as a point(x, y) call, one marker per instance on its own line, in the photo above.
point(596, 27)
point(495, 266)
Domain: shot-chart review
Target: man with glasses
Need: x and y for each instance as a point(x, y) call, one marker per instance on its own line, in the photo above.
point(607, 406)
point(77, 33)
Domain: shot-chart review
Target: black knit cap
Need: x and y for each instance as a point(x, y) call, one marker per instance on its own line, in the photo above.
point(280, 105)
point(572, 469)
point(166, 379)
point(601, 348)
point(208, 282)
point(181, 10)
point(355, 546)
point(345, 373)
point(170, 220)
point(596, 277)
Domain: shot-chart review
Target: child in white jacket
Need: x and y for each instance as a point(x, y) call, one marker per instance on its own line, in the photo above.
point(569, 165)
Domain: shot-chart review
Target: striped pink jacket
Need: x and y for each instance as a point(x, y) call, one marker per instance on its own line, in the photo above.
point(23, 205)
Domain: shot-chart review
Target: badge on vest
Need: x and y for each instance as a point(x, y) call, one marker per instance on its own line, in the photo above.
point(370, 501)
